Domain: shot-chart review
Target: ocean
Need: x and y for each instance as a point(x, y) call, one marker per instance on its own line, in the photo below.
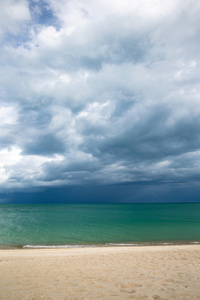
point(79, 225)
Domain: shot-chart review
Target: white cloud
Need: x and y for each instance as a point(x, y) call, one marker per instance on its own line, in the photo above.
point(8, 158)
point(12, 15)
point(8, 115)
point(18, 170)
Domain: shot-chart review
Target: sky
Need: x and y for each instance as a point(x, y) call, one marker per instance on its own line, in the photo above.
point(99, 100)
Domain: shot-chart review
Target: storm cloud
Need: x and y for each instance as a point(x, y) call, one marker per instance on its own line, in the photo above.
point(99, 92)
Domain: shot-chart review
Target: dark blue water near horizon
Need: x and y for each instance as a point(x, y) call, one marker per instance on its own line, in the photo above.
point(91, 224)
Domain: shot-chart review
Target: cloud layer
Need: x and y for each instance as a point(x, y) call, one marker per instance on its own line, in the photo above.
point(99, 92)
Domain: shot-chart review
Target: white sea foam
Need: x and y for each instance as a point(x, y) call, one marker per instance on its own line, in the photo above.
point(53, 246)
point(77, 246)
point(99, 245)
point(121, 244)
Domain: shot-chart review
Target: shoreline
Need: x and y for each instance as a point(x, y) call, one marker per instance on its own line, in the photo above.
point(97, 245)
point(149, 272)
point(102, 249)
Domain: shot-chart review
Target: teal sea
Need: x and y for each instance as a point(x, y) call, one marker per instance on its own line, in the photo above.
point(98, 224)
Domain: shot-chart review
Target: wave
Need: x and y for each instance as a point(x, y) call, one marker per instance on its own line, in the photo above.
point(107, 245)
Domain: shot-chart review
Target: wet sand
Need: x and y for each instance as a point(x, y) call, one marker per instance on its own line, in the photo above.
point(150, 272)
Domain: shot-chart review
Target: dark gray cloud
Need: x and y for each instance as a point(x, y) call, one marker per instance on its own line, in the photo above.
point(99, 93)
point(44, 145)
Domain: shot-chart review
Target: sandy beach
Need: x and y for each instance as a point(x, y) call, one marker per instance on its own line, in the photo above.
point(150, 272)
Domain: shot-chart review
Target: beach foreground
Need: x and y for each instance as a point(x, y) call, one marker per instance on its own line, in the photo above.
point(150, 272)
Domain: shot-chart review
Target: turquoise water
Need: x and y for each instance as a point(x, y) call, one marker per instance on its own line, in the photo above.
point(90, 224)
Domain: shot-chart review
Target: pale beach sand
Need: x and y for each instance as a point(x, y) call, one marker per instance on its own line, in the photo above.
point(150, 272)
